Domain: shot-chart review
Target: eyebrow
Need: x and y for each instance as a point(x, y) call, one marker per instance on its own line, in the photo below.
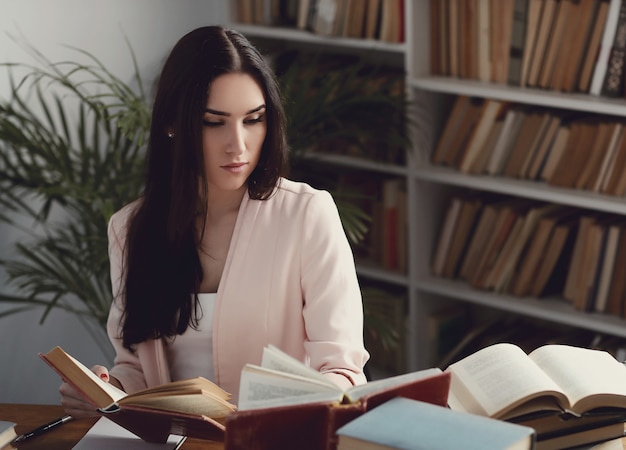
point(223, 113)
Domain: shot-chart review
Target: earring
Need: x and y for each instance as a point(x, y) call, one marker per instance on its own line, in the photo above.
point(170, 134)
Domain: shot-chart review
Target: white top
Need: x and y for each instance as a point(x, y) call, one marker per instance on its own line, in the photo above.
point(190, 354)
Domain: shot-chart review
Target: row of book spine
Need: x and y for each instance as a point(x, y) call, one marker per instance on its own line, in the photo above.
point(525, 248)
point(562, 148)
point(359, 19)
point(561, 45)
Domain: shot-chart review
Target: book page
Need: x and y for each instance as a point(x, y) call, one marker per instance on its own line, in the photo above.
point(590, 378)
point(356, 392)
point(495, 380)
point(276, 359)
point(261, 387)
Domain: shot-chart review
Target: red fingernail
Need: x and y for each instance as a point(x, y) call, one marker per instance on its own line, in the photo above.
point(104, 376)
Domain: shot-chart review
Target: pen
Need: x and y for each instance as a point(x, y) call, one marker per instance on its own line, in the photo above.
point(42, 429)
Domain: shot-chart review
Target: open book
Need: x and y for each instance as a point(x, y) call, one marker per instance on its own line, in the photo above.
point(285, 404)
point(195, 407)
point(502, 382)
point(282, 380)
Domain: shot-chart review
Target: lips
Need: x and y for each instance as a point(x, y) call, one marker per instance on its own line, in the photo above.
point(234, 167)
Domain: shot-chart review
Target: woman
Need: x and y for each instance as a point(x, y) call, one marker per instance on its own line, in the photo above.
point(221, 255)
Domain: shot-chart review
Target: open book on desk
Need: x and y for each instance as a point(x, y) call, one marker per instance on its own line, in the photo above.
point(285, 404)
point(195, 407)
point(555, 386)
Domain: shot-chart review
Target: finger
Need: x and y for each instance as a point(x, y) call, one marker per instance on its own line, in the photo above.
point(101, 372)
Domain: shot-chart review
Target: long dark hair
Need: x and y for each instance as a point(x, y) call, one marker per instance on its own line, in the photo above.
point(163, 271)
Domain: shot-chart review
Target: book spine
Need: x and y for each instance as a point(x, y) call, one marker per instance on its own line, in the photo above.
point(613, 85)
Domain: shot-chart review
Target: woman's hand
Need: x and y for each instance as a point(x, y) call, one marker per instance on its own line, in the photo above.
point(74, 404)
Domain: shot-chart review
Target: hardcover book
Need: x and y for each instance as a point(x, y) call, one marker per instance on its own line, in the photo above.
point(195, 407)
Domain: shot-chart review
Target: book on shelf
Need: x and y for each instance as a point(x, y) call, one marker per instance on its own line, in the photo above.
point(544, 148)
point(613, 163)
point(453, 26)
point(446, 235)
point(506, 223)
point(569, 19)
point(505, 269)
point(488, 114)
point(7, 433)
point(478, 240)
point(513, 121)
point(555, 43)
point(575, 154)
point(502, 381)
point(547, 124)
point(518, 41)
point(606, 266)
point(285, 404)
point(584, 293)
point(555, 153)
point(195, 407)
point(405, 423)
point(530, 128)
point(613, 84)
point(593, 46)
point(468, 39)
point(604, 130)
point(606, 43)
point(483, 41)
point(581, 28)
point(527, 269)
point(533, 17)
point(574, 272)
point(617, 289)
point(464, 227)
point(616, 167)
point(546, 23)
point(501, 24)
point(609, 159)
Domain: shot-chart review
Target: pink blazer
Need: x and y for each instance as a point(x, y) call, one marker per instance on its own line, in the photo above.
point(289, 280)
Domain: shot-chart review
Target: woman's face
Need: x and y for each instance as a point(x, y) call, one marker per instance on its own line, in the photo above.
point(234, 128)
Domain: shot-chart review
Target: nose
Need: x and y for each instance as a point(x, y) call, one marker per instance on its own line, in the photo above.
point(236, 140)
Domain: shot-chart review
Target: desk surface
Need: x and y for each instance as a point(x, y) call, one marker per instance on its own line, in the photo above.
point(66, 436)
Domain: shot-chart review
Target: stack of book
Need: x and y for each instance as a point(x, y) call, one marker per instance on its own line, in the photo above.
point(571, 396)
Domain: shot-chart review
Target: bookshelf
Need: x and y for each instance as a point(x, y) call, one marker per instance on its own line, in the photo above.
point(435, 184)
point(429, 187)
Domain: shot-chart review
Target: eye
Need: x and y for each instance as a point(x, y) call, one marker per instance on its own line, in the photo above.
point(254, 119)
point(212, 123)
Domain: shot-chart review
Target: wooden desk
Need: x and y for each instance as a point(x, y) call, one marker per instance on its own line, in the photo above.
point(66, 436)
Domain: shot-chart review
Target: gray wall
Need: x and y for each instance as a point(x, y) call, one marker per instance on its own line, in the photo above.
point(152, 27)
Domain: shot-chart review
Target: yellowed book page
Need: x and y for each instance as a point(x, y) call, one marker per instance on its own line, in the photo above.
point(198, 383)
point(276, 359)
point(591, 378)
point(260, 387)
point(199, 403)
point(496, 379)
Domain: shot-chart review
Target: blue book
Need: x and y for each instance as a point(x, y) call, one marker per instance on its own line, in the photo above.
point(407, 424)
